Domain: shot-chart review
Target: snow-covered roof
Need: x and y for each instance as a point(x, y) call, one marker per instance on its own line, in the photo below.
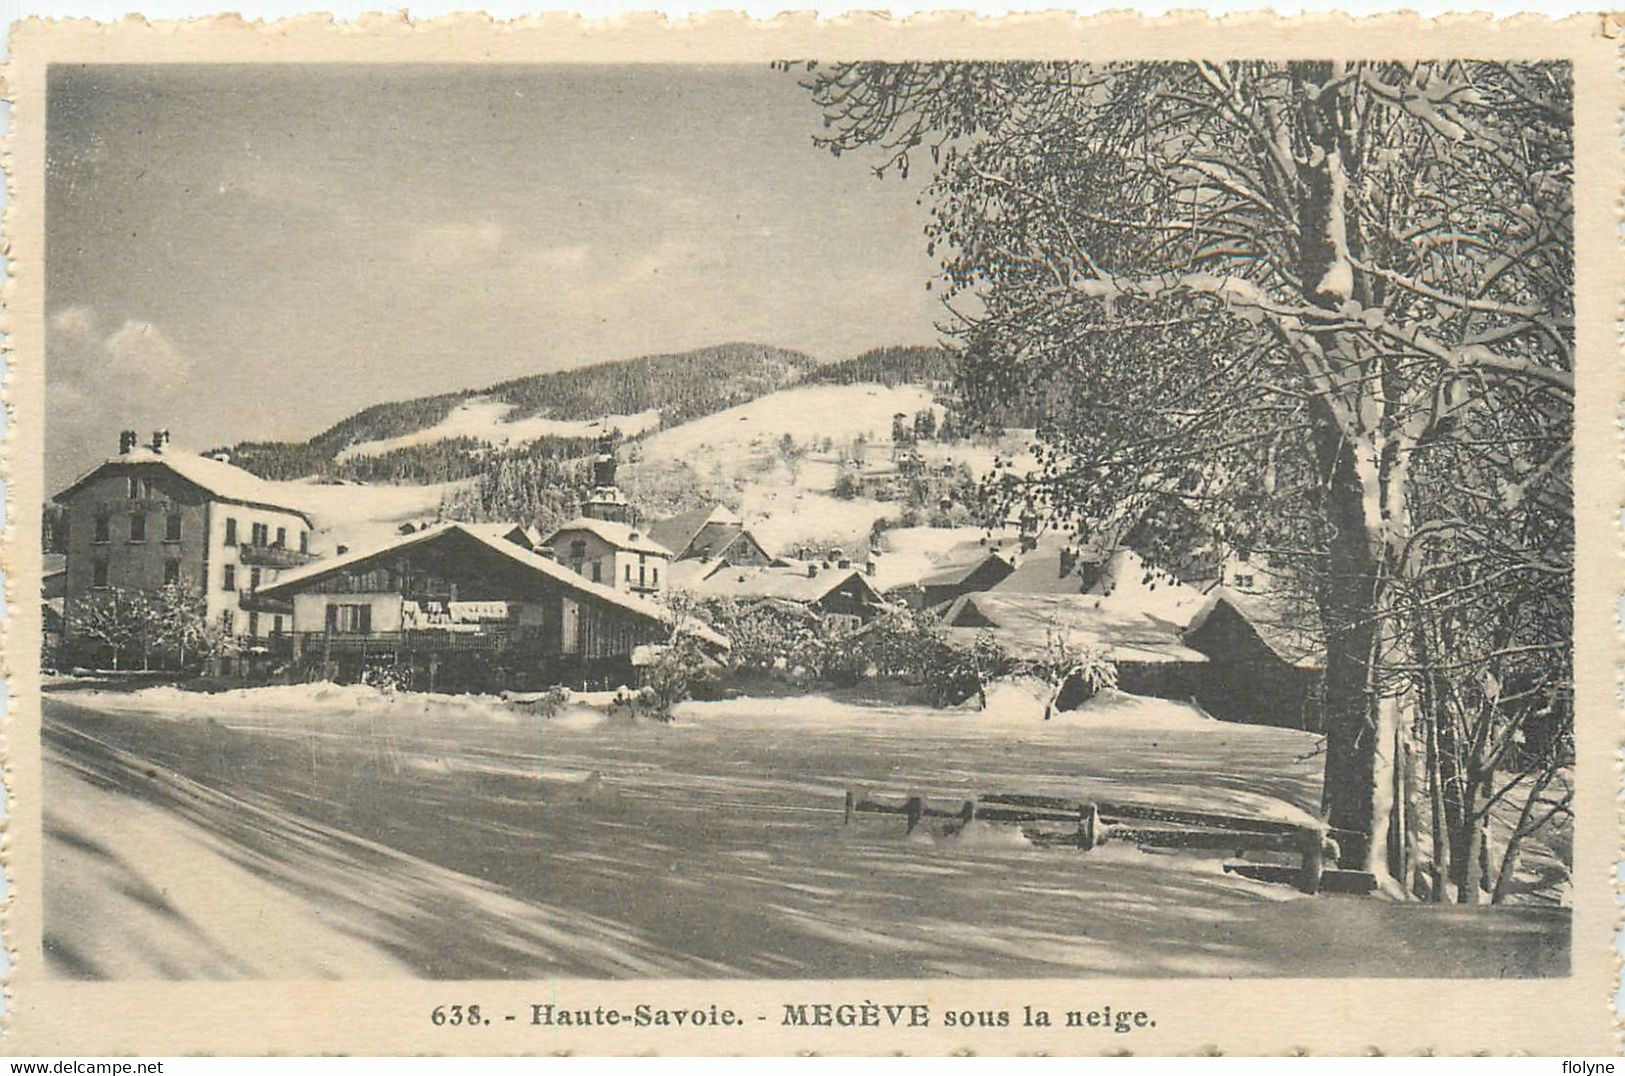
point(1025, 622)
point(958, 573)
point(678, 532)
point(1294, 639)
point(288, 582)
point(787, 584)
point(619, 535)
point(689, 574)
point(219, 479)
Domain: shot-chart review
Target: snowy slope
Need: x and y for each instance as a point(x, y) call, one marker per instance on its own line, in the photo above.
point(485, 419)
point(355, 513)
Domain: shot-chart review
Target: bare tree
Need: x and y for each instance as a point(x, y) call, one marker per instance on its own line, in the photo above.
point(115, 618)
point(1262, 291)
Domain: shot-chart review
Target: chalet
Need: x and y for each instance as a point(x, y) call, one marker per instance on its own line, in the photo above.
point(1150, 655)
point(943, 586)
point(841, 597)
point(463, 606)
point(613, 553)
point(151, 516)
point(1265, 660)
point(710, 534)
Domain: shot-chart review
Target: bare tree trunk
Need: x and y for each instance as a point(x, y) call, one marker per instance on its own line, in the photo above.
point(1441, 837)
point(1470, 841)
point(1359, 723)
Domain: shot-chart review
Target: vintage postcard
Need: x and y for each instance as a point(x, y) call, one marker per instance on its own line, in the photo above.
point(1012, 536)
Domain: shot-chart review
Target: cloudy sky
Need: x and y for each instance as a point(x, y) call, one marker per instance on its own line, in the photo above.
point(255, 252)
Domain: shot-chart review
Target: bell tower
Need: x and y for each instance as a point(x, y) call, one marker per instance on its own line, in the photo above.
point(607, 502)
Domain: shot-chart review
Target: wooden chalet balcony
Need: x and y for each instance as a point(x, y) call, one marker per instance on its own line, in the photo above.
point(425, 641)
point(273, 556)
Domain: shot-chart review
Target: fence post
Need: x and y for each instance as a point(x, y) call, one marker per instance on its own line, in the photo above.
point(913, 810)
point(1088, 825)
point(850, 803)
point(1314, 845)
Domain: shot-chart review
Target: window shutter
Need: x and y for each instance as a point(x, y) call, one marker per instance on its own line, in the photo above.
point(332, 617)
point(365, 625)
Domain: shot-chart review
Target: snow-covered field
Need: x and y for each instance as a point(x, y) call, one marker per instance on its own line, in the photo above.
point(485, 419)
point(808, 413)
point(355, 835)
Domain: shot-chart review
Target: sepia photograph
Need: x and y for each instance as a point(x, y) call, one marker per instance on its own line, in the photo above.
point(809, 520)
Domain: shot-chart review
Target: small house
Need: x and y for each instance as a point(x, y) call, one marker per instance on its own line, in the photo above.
point(1265, 660)
point(712, 534)
point(615, 554)
point(841, 597)
point(1150, 656)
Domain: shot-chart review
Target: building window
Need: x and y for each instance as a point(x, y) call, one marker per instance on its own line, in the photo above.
point(597, 572)
point(261, 534)
point(103, 527)
point(281, 537)
point(172, 527)
point(231, 577)
point(654, 577)
point(1244, 581)
point(253, 580)
point(353, 619)
point(276, 625)
point(134, 487)
point(172, 573)
point(304, 541)
point(628, 571)
point(253, 625)
point(138, 526)
point(231, 531)
point(98, 572)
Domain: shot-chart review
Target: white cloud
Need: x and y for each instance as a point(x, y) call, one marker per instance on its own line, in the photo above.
point(139, 350)
point(553, 259)
point(455, 242)
point(78, 320)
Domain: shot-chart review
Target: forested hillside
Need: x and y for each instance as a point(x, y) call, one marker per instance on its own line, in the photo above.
point(681, 386)
point(908, 365)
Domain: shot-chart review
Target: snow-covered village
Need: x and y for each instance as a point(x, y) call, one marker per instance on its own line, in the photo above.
point(616, 561)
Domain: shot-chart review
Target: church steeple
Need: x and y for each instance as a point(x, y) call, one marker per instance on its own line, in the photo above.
point(607, 501)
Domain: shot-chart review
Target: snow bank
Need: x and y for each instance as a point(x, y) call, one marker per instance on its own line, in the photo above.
point(300, 700)
point(1019, 701)
point(1138, 711)
point(1022, 699)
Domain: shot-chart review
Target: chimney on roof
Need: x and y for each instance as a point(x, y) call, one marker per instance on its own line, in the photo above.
point(869, 567)
point(341, 550)
point(812, 569)
point(126, 442)
point(160, 440)
point(220, 457)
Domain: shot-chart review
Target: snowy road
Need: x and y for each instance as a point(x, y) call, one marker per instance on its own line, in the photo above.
point(190, 836)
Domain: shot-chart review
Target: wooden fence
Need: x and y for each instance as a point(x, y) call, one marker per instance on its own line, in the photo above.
point(1086, 824)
